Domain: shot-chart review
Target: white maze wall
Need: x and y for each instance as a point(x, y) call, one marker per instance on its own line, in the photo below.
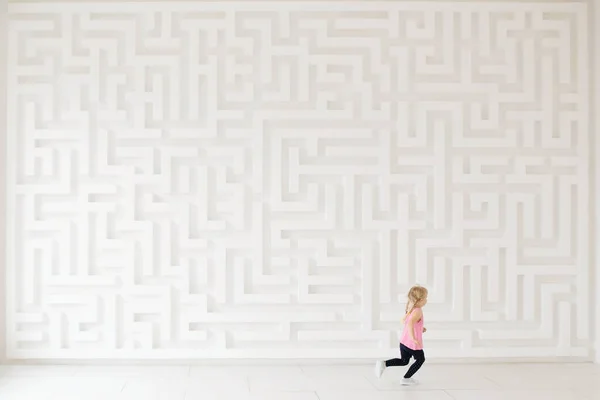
point(252, 179)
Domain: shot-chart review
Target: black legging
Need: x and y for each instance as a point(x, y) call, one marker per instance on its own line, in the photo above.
point(406, 354)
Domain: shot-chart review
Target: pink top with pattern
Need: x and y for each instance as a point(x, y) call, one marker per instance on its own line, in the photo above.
point(418, 330)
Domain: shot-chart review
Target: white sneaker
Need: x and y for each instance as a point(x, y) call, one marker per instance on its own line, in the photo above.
point(409, 382)
point(379, 368)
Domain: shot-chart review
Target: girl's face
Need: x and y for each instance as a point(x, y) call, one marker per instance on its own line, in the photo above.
point(422, 302)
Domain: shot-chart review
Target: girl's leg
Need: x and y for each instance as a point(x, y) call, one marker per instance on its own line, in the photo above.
point(420, 359)
point(405, 353)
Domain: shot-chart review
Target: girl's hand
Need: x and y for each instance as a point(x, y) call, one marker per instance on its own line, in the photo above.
point(424, 329)
point(418, 343)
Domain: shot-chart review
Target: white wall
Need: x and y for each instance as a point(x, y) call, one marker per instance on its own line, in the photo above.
point(3, 64)
point(595, 23)
point(264, 180)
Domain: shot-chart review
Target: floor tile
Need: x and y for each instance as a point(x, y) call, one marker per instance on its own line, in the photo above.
point(433, 380)
point(284, 396)
point(290, 383)
point(153, 389)
point(134, 371)
point(63, 388)
point(335, 382)
point(340, 378)
point(38, 370)
point(513, 395)
point(217, 388)
point(395, 395)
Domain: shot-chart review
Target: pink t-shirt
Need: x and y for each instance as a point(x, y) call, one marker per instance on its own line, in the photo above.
point(418, 331)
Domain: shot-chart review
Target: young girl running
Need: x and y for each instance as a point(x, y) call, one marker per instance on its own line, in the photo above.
point(411, 343)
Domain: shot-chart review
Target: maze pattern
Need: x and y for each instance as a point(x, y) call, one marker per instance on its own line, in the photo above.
point(197, 180)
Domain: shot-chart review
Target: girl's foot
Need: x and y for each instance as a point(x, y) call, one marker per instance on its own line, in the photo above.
point(379, 368)
point(409, 382)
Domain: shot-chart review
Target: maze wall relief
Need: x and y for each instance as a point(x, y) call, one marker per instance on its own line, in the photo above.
point(249, 179)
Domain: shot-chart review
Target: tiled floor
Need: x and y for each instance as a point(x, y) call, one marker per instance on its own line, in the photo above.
point(438, 382)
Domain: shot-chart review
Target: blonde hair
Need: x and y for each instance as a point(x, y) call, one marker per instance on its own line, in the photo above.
point(415, 295)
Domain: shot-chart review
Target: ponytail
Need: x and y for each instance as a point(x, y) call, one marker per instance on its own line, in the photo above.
point(415, 294)
point(407, 313)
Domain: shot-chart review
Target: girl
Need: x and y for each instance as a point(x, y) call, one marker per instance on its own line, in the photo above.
point(411, 343)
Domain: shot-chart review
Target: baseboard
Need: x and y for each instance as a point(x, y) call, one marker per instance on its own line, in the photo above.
point(295, 362)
